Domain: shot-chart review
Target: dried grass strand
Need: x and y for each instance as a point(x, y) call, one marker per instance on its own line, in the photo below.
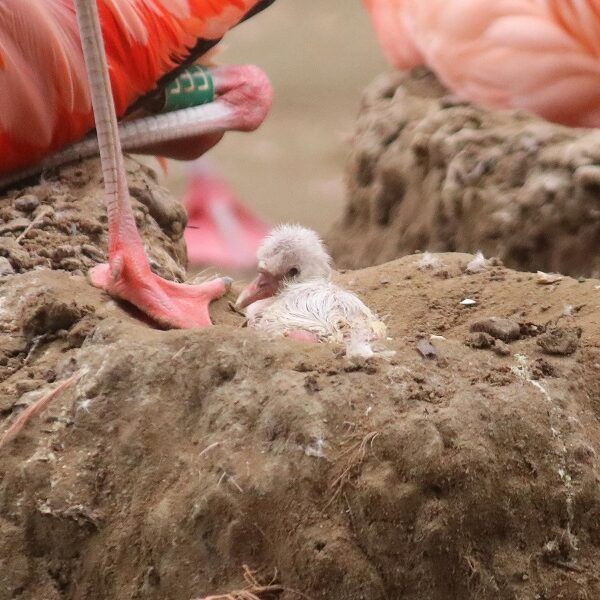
point(357, 456)
point(253, 591)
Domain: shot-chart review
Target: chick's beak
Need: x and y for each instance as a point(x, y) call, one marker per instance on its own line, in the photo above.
point(264, 286)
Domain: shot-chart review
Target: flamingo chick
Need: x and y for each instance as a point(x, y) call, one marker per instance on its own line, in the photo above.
point(293, 294)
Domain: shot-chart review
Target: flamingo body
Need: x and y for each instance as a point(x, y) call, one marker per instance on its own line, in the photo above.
point(44, 95)
point(538, 55)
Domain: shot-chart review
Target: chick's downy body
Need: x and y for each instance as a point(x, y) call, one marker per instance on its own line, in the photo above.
point(294, 293)
point(317, 306)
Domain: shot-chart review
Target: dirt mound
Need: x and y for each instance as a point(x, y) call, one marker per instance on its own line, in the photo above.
point(180, 456)
point(429, 172)
point(61, 224)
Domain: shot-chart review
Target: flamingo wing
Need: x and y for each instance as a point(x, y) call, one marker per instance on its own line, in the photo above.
point(44, 98)
point(539, 55)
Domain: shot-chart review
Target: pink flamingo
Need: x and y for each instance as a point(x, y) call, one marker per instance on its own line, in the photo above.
point(220, 231)
point(46, 104)
point(50, 104)
point(538, 55)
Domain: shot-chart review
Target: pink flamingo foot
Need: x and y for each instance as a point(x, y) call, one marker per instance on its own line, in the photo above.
point(168, 303)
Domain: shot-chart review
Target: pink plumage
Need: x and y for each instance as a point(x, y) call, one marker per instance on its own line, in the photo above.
point(220, 230)
point(44, 98)
point(538, 55)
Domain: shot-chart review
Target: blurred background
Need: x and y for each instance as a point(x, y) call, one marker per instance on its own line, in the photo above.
point(319, 55)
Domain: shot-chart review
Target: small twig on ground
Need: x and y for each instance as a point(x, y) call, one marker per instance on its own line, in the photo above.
point(235, 484)
point(43, 213)
point(34, 346)
point(357, 456)
point(350, 513)
point(235, 309)
point(208, 449)
point(253, 591)
point(229, 478)
point(36, 408)
point(178, 353)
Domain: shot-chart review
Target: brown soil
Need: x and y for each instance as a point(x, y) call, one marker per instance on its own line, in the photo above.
point(61, 223)
point(429, 172)
point(180, 456)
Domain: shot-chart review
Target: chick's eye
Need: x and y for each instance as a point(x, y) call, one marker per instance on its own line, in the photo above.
point(293, 272)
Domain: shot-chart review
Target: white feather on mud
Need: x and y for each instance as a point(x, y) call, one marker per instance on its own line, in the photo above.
point(429, 261)
point(477, 265)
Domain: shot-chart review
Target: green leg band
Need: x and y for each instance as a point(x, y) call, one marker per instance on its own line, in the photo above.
point(195, 86)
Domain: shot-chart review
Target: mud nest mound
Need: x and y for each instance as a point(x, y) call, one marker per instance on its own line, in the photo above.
point(465, 466)
point(429, 172)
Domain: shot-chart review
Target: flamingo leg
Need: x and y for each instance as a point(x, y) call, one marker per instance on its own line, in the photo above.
point(127, 274)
